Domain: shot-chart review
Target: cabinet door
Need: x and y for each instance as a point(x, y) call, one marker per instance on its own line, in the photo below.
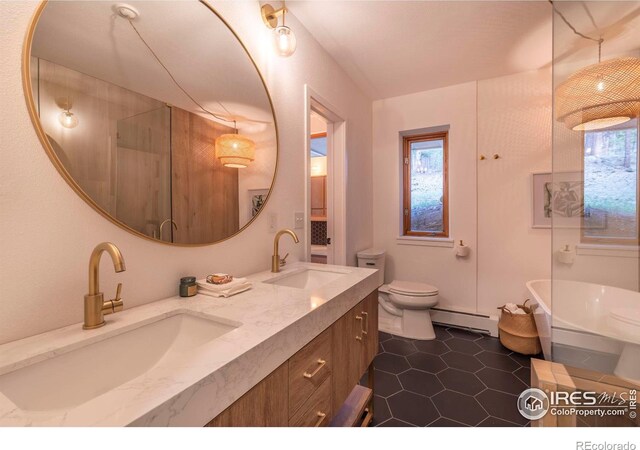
point(265, 405)
point(347, 360)
point(370, 316)
point(318, 196)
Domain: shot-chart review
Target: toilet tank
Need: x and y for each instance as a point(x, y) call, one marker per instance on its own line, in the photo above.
point(373, 258)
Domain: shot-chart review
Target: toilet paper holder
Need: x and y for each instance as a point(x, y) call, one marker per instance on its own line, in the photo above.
point(462, 250)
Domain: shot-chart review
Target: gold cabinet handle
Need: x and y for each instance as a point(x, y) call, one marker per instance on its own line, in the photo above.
point(359, 338)
point(322, 362)
point(321, 417)
point(496, 156)
point(482, 157)
point(365, 330)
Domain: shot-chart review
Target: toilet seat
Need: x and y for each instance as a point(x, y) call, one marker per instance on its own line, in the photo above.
point(412, 289)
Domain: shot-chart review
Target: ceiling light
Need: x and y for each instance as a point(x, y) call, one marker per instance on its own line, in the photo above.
point(235, 150)
point(284, 38)
point(67, 119)
point(600, 95)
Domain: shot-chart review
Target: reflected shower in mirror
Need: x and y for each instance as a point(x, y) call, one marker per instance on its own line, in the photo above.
point(155, 114)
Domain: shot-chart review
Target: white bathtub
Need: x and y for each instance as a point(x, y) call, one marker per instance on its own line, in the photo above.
point(602, 310)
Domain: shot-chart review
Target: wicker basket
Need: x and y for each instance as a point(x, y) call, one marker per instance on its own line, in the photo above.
point(518, 332)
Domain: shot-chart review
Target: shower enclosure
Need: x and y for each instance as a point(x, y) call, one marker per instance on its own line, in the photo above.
point(591, 305)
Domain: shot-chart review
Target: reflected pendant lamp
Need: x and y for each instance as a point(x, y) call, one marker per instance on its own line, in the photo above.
point(600, 96)
point(235, 150)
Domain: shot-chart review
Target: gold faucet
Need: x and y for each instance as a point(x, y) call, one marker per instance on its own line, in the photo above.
point(275, 259)
point(95, 308)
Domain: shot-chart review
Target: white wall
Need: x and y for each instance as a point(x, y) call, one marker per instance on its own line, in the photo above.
point(47, 232)
point(490, 200)
point(454, 106)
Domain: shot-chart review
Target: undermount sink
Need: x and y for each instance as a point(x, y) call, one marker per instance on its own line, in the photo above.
point(306, 278)
point(80, 375)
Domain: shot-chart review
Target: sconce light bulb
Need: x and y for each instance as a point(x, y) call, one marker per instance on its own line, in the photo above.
point(285, 41)
point(601, 86)
point(68, 119)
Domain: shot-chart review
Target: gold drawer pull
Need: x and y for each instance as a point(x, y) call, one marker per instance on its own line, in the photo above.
point(359, 338)
point(322, 362)
point(321, 417)
point(365, 330)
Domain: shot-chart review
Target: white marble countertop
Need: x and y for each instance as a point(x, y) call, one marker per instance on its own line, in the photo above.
point(276, 321)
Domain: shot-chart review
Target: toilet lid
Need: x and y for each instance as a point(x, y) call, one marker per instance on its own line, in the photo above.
point(627, 315)
point(412, 288)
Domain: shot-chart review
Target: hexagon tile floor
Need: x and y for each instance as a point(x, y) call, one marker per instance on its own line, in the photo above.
point(459, 379)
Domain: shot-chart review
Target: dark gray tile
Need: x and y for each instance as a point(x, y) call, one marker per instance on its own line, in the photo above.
point(420, 382)
point(428, 363)
point(399, 347)
point(501, 405)
point(501, 381)
point(497, 361)
point(390, 363)
point(464, 334)
point(523, 360)
point(412, 408)
point(434, 347)
point(495, 422)
point(381, 410)
point(441, 333)
point(463, 346)
point(395, 423)
point(382, 336)
point(524, 375)
point(443, 422)
point(459, 407)
point(462, 361)
point(461, 381)
point(492, 344)
point(385, 384)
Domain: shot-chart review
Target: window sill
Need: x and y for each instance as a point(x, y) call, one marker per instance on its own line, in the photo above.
point(425, 241)
point(620, 251)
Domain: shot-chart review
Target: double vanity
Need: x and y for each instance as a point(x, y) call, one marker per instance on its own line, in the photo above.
point(286, 353)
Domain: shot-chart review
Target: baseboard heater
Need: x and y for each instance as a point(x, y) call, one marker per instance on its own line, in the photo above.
point(479, 323)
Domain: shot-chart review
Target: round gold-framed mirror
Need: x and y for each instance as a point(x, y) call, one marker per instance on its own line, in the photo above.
point(155, 113)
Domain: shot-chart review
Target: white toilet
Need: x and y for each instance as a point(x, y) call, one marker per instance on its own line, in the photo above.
point(403, 306)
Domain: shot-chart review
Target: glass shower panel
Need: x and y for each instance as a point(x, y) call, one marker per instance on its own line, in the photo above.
point(143, 172)
point(591, 202)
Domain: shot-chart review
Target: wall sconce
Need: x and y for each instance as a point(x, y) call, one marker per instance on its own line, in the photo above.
point(284, 38)
point(67, 119)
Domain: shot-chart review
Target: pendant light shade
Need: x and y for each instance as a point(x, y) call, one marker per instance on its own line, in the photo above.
point(235, 150)
point(600, 95)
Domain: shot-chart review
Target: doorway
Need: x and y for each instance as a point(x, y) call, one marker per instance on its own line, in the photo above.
point(325, 173)
point(320, 239)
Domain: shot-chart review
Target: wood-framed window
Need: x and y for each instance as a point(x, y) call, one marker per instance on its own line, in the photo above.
point(425, 185)
point(610, 188)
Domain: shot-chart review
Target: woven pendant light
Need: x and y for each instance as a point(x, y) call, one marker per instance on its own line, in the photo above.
point(600, 95)
point(235, 150)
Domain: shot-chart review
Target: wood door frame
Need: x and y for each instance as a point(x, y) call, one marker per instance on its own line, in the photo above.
point(406, 183)
point(336, 176)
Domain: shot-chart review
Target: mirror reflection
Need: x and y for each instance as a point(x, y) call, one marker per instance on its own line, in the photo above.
point(156, 115)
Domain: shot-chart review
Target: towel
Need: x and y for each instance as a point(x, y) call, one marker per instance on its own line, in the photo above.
point(238, 288)
point(511, 307)
point(203, 285)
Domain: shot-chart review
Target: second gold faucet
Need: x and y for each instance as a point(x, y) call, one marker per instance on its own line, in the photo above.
point(275, 259)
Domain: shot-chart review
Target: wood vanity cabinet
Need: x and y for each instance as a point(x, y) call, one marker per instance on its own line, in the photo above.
point(309, 388)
